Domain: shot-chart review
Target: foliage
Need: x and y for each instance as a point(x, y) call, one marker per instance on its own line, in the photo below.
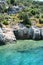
point(25, 2)
point(25, 18)
point(41, 21)
point(5, 22)
point(8, 1)
point(41, 16)
point(37, 16)
point(12, 1)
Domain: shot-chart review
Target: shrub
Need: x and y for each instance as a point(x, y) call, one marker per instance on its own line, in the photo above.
point(33, 12)
point(41, 21)
point(29, 14)
point(20, 15)
point(5, 10)
point(41, 16)
point(25, 18)
point(5, 22)
point(37, 16)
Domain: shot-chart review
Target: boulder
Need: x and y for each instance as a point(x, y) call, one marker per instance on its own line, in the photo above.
point(2, 41)
point(30, 32)
point(41, 31)
point(6, 35)
point(21, 32)
point(35, 33)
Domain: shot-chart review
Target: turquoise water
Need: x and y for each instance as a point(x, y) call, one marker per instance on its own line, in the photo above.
point(12, 57)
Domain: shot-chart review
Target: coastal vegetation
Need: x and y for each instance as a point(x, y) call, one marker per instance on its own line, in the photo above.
point(25, 17)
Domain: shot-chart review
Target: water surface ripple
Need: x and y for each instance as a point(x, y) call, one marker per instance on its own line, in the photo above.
point(10, 57)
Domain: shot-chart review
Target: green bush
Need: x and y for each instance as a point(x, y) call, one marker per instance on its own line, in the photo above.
point(29, 14)
point(13, 2)
point(5, 10)
point(33, 12)
point(20, 16)
point(5, 22)
point(41, 21)
point(41, 16)
point(25, 18)
point(37, 16)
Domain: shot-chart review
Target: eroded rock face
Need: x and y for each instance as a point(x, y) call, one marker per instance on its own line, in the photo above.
point(6, 35)
point(2, 41)
point(22, 32)
point(9, 35)
point(41, 31)
point(35, 33)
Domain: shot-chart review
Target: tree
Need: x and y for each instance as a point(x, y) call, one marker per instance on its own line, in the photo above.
point(24, 17)
point(8, 1)
point(12, 2)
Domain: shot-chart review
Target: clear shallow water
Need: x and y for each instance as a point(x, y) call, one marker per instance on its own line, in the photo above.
point(12, 57)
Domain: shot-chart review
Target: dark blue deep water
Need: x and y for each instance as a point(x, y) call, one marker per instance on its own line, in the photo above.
point(32, 57)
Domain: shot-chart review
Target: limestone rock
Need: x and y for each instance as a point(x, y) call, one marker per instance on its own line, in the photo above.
point(21, 31)
point(41, 30)
point(6, 35)
point(2, 41)
point(35, 33)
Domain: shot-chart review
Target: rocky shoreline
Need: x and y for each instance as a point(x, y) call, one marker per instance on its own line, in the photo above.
point(6, 35)
point(20, 31)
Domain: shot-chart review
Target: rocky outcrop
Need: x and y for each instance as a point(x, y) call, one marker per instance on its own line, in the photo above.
point(15, 9)
point(2, 41)
point(35, 33)
point(19, 31)
point(6, 35)
point(41, 31)
point(22, 32)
